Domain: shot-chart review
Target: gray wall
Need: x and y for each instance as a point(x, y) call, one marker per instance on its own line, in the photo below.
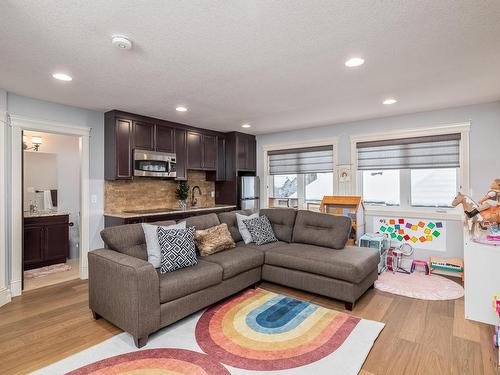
point(42, 110)
point(484, 144)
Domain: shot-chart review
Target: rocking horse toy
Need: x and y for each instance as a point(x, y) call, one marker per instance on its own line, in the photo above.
point(487, 217)
point(483, 218)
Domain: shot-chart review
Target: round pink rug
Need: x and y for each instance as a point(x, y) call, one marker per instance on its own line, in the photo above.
point(419, 285)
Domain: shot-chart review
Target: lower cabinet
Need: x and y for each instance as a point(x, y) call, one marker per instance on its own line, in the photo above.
point(46, 240)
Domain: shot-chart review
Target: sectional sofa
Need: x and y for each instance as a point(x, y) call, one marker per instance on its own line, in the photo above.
point(310, 255)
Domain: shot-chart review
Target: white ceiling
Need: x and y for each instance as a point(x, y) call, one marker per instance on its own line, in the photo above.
point(276, 64)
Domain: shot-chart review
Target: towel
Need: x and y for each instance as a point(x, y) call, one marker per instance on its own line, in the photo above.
point(47, 200)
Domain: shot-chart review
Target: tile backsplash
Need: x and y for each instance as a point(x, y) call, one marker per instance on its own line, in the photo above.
point(150, 193)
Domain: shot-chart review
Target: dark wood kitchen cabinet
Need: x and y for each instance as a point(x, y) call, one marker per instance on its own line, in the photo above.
point(144, 135)
point(165, 138)
point(209, 159)
point(195, 148)
point(118, 147)
point(201, 151)
point(245, 152)
point(46, 241)
point(181, 153)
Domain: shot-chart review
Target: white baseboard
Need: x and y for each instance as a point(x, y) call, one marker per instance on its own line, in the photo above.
point(84, 273)
point(16, 288)
point(5, 296)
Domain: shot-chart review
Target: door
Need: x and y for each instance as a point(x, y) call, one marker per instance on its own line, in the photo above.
point(56, 241)
point(165, 138)
point(33, 245)
point(123, 149)
point(144, 135)
point(194, 150)
point(209, 157)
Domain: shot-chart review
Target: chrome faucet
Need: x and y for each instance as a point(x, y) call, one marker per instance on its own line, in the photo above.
point(194, 202)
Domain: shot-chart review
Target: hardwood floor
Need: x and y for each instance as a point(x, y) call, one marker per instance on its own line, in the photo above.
point(420, 337)
point(55, 278)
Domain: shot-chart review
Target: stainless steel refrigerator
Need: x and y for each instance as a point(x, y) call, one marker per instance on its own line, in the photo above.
point(249, 193)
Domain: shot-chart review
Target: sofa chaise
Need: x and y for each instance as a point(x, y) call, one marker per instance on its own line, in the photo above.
point(126, 290)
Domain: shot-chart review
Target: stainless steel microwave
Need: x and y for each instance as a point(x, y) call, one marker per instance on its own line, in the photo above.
point(154, 164)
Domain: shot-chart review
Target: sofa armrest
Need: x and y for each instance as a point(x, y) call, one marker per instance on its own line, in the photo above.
point(125, 291)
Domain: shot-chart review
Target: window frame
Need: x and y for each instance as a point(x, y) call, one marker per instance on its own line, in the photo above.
point(333, 141)
point(405, 208)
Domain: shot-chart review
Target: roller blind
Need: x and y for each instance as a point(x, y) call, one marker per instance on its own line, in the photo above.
point(441, 151)
point(301, 160)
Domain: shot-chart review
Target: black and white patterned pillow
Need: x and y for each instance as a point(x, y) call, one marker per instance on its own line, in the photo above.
point(261, 230)
point(177, 248)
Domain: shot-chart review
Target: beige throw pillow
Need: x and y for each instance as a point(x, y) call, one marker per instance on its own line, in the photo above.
point(212, 240)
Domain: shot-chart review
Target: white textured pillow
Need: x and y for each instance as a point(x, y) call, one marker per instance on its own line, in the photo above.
point(152, 243)
point(245, 234)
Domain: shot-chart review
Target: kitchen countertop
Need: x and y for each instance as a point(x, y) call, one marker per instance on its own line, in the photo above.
point(168, 211)
point(27, 214)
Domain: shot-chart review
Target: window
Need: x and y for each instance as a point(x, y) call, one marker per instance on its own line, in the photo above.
point(381, 187)
point(284, 186)
point(300, 177)
point(303, 191)
point(433, 187)
point(410, 172)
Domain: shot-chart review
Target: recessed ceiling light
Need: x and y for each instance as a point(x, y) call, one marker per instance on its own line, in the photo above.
point(389, 101)
point(62, 77)
point(246, 126)
point(355, 61)
point(181, 109)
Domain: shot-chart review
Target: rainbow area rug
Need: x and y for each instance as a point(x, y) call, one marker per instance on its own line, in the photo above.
point(254, 332)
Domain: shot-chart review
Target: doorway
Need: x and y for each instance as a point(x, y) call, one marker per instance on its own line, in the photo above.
point(20, 125)
point(51, 209)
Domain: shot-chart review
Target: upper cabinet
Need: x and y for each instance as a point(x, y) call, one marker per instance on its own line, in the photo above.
point(245, 152)
point(144, 135)
point(165, 138)
point(201, 151)
point(118, 138)
point(194, 148)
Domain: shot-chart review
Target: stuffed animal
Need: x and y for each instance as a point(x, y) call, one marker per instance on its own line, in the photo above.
point(492, 197)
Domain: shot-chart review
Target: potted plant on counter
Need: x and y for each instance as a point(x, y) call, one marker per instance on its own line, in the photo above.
point(181, 193)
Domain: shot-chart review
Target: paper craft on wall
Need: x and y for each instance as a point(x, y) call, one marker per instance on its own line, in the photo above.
point(419, 233)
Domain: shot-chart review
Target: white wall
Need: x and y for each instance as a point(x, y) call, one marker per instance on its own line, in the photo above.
point(41, 110)
point(4, 292)
point(484, 144)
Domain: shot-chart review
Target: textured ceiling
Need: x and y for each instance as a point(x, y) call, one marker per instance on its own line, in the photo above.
point(275, 64)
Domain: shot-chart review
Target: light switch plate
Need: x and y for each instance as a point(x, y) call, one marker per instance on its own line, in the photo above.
point(93, 198)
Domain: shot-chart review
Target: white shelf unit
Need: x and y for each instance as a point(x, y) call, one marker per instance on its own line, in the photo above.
point(482, 280)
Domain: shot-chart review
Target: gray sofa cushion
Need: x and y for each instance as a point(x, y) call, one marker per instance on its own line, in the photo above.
point(237, 260)
point(350, 264)
point(230, 219)
point(282, 221)
point(188, 280)
point(264, 248)
point(325, 230)
point(203, 221)
point(129, 239)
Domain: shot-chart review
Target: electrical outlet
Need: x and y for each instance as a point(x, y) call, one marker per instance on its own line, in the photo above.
point(93, 198)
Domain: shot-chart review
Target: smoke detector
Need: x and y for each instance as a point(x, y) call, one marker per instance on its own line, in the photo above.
point(121, 42)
